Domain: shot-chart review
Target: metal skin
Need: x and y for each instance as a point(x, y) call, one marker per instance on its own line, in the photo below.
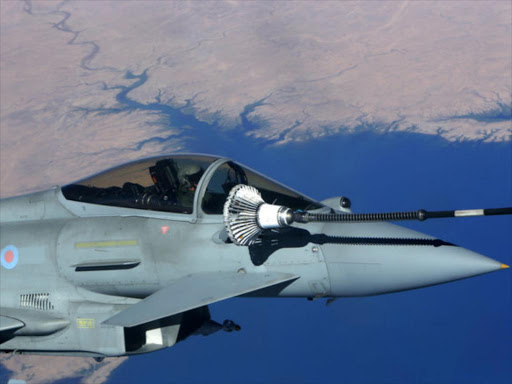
point(59, 299)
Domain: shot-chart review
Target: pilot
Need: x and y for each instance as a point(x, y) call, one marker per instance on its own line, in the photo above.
point(188, 178)
point(174, 185)
point(162, 193)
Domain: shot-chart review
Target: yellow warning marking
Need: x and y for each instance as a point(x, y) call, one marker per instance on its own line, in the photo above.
point(105, 244)
point(85, 323)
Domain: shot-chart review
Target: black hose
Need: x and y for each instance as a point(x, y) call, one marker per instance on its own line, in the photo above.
point(421, 215)
point(361, 217)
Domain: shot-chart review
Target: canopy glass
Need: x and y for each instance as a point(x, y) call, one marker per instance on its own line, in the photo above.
point(230, 174)
point(159, 184)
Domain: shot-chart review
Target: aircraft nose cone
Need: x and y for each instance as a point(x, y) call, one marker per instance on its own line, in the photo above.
point(453, 263)
point(384, 258)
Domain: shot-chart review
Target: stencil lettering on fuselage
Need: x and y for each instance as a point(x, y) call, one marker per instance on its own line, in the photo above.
point(85, 323)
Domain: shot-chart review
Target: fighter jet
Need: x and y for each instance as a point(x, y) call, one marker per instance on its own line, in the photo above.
point(128, 260)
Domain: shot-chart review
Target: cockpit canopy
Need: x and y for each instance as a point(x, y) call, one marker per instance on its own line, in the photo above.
point(159, 184)
point(230, 174)
point(169, 184)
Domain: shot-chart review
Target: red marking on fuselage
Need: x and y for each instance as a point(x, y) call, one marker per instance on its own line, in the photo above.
point(9, 256)
point(164, 229)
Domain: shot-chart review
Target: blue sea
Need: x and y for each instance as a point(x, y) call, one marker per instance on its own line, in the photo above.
point(459, 332)
point(454, 333)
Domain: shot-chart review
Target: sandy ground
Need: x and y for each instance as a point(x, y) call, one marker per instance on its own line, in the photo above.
point(297, 70)
point(304, 69)
point(47, 369)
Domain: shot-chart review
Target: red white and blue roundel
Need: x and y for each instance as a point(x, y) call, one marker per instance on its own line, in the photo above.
point(9, 257)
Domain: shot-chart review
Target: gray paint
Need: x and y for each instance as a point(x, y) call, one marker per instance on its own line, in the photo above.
point(48, 307)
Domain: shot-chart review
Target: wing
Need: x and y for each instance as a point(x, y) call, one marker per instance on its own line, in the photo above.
point(195, 291)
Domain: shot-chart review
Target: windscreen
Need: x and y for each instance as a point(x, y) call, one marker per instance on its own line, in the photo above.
point(230, 174)
point(159, 184)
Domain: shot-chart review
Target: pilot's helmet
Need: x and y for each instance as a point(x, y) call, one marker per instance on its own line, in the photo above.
point(189, 174)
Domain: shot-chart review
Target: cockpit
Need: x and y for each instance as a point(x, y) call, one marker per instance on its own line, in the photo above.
point(170, 184)
point(160, 184)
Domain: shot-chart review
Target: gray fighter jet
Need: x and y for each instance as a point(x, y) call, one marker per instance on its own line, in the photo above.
point(127, 261)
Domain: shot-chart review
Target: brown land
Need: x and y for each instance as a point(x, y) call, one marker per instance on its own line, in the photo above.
point(317, 69)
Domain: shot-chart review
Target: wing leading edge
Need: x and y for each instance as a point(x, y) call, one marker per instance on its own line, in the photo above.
point(195, 291)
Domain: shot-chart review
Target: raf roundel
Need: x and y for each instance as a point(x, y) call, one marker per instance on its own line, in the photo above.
point(9, 257)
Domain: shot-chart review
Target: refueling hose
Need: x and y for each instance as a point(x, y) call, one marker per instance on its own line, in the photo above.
point(421, 215)
point(246, 215)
